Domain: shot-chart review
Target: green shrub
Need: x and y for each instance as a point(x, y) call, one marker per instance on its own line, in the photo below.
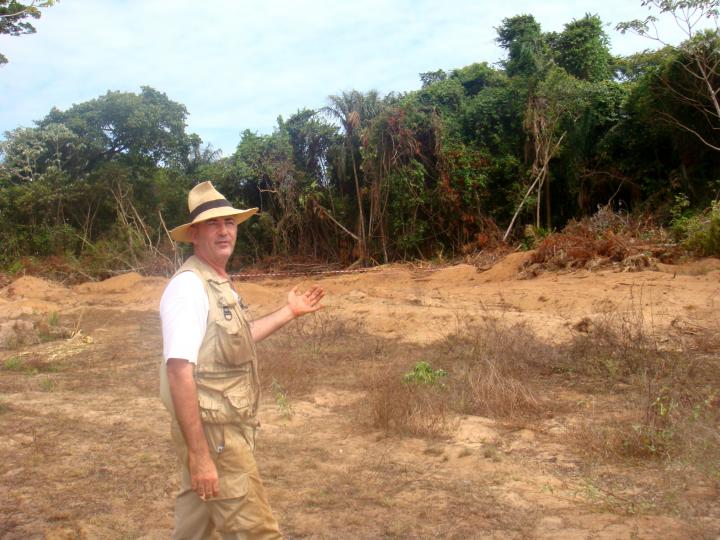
point(700, 232)
point(423, 373)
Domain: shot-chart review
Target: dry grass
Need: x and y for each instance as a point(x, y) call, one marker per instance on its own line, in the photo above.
point(408, 408)
point(670, 397)
point(489, 371)
point(492, 367)
point(664, 385)
point(296, 357)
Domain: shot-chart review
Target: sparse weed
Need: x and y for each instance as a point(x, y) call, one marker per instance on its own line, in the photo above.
point(47, 384)
point(19, 365)
point(14, 363)
point(53, 319)
point(608, 500)
point(318, 332)
point(30, 365)
point(281, 399)
point(484, 371)
point(490, 451)
point(294, 358)
point(4, 407)
point(672, 407)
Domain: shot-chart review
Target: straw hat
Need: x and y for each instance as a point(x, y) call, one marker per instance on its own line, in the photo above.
point(205, 202)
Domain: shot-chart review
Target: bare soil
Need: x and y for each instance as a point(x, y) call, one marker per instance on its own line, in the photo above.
point(86, 450)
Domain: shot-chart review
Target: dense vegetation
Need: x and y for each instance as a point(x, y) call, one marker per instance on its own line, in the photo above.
point(556, 131)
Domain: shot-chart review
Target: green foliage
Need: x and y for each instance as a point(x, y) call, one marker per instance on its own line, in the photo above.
point(423, 374)
point(17, 364)
point(431, 77)
point(699, 232)
point(373, 178)
point(142, 128)
point(408, 196)
point(39, 241)
point(476, 77)
point(281, 399)
point(528, 52)
point(533, 236)
point(492, 118)
point(14, 363)
point(13, 15)
point(445, 95)
point(583, 49)
point(690, 84)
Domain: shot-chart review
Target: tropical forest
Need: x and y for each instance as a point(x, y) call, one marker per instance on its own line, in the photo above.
point(476, 157)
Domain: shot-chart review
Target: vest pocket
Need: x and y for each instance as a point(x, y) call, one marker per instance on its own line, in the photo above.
point(240, 399)
point(233, 345)
point(211, 409)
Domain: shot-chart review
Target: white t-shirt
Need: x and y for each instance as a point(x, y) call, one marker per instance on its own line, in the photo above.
point(184, 311)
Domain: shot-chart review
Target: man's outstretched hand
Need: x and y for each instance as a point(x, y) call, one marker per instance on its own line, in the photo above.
point(308, 302)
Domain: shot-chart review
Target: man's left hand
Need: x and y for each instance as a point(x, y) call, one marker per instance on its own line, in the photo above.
point(307, 302)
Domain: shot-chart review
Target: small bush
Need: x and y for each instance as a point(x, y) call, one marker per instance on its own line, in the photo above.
point(408, 407)
point(700, 233)
point(423, 373)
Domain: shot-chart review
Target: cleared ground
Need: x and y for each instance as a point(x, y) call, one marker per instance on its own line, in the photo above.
point(87, 454)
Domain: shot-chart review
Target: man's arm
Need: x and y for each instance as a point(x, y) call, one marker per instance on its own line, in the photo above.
point(203, 473)
point(297, 306)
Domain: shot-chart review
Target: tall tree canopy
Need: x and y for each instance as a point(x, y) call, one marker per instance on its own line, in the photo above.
point(545, 136)
point(14, 15)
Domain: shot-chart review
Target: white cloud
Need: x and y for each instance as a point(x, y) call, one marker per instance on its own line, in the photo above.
point(237, 64)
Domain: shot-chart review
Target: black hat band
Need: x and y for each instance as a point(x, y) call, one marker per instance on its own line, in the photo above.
point(199, 209)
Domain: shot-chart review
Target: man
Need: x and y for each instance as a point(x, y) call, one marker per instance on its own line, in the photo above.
point(209, 380)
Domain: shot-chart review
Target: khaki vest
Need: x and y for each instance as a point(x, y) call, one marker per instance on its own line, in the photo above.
point(226, 372)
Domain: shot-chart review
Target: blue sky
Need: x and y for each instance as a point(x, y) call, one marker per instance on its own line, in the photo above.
point(237, 64)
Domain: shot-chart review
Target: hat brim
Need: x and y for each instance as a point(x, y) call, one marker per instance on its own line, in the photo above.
point(182, 233)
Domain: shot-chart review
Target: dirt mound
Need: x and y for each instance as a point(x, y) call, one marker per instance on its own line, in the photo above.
point(19, 308)
point(507, 268)
point(145, 294)
point(17, 332)
point(693, 268)
point(114, 284)
point(29, 287)
point(126, 290)
point(460, 273)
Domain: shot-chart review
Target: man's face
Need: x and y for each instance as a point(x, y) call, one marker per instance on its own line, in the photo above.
point(214, 239)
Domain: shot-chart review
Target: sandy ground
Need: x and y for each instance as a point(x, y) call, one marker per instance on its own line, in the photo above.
point(86, 448)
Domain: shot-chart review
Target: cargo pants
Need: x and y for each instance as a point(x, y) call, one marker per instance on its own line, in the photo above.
point(241, 510)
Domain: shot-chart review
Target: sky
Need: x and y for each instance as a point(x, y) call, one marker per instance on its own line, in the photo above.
point(237, 64)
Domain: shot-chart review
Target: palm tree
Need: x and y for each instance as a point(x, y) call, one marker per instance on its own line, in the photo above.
point(353, 110)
